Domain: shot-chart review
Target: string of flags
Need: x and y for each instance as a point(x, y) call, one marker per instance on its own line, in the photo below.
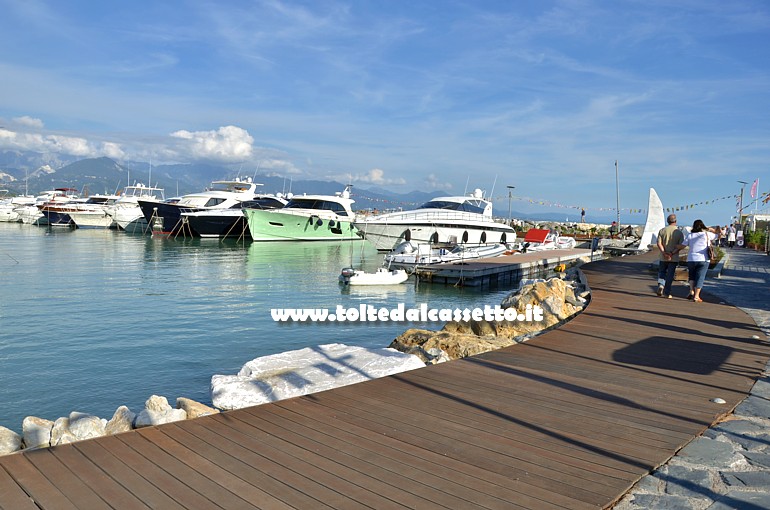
point(764, 198)
point(548, 203)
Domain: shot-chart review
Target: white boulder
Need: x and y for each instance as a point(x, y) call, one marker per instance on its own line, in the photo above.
point(37, 432)
point(10, 441)
point(157, 411)
point(304, 371)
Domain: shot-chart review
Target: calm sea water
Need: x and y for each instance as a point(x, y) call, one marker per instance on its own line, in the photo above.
point(94, 319)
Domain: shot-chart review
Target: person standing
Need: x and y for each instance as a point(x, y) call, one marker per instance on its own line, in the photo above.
point(697, 257)
point(582, 215)
point(669, 239)
point(731, 236)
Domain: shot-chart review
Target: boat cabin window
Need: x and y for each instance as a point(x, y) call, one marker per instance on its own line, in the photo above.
point(211, 202)
point(261, 203)
point(324, 205)
point(455, 206)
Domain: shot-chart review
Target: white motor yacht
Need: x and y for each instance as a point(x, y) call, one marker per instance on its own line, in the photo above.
point(166, 217)
point(452, 219)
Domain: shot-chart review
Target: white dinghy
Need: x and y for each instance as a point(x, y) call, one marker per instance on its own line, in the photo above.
point(382, 276)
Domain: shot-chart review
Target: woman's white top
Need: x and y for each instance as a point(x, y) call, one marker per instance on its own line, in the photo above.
point(698, 243)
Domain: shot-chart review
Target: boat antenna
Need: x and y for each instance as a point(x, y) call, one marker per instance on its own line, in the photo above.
point(467, 179)
point(492, 193)
point(257, 170)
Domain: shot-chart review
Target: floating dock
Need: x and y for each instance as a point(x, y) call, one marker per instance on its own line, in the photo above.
point(500, 270)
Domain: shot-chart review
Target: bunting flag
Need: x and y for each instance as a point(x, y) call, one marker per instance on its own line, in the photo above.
point(548, 203)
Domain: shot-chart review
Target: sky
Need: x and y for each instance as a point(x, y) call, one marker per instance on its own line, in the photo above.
point(424, 95)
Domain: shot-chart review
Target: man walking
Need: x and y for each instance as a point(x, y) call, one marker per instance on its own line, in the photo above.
point(668, 239)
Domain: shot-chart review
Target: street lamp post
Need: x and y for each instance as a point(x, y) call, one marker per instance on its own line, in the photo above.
point(740, 206)
point(509, 203)
point(617, 194)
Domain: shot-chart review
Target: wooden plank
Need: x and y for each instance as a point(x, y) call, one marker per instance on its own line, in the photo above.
point(401, 484)
point(92, 475)
point(245, 464)
point(65, 479)
point(395, 457)
point(347, 487)
point(177, 469)
point(12, 496)
point(44, 493)
point(162, 438)
point(295, 488)
point(131, 479)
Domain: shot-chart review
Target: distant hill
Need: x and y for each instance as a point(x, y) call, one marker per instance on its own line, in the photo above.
point(104, 175)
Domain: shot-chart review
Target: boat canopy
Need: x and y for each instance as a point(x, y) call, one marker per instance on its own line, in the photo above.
point(473, 206)
point(317, 204)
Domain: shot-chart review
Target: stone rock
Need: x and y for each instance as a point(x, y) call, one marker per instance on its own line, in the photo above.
point(10, 441)
point(454, 345)
point(703, 451)
point(305, 371)
point(85, 426)
point(121, 421)
point(157, 411)
point(194, 409)
point(37, 432)
point(459, 339)
point(60, 433)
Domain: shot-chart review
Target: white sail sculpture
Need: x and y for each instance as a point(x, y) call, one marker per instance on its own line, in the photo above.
point(655, 221)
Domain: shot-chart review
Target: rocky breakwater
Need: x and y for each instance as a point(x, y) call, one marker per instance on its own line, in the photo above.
point(560, 298)
point(42, 433)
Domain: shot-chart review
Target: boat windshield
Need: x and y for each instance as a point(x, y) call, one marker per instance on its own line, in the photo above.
point(466, 206)
point(261, 203)
point(312, 203)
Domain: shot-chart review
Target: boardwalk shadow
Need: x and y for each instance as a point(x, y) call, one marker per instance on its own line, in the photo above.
point(674, 354)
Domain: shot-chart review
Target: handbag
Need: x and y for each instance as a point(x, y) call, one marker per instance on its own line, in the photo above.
point(711, 252)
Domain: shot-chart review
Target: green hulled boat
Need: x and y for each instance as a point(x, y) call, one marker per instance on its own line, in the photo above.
point(306, 218)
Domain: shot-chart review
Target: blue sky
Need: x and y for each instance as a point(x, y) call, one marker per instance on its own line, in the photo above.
point(429, 95)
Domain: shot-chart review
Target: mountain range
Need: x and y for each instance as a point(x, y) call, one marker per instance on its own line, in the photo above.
point(32, 173)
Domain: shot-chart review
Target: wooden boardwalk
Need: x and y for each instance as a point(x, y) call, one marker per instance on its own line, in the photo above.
point(570, 420)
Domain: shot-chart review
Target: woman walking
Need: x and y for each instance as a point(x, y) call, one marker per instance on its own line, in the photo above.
point(698, 258)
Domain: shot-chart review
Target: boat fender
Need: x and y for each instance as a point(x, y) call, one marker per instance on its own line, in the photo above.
point(465, 236)
point(320, 222)
point(407, 235)
point(347, 272)
point(483, 237)
point(331, 223)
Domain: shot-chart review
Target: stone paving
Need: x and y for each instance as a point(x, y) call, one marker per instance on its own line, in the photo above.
point(729, 465)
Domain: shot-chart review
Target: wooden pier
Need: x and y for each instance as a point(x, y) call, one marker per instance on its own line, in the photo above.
point(489, 272)
point(569, 420)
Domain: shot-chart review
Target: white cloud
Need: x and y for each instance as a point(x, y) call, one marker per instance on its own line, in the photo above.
point(433, 182)
point(227, 144)
point(373, 176)
point(29, 122)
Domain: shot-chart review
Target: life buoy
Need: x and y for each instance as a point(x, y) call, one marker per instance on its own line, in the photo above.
point(740, 242)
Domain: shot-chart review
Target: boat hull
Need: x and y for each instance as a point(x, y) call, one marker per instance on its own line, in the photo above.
point(274, 225)
point(218, 226)
point(161, 217)
point(385, 236)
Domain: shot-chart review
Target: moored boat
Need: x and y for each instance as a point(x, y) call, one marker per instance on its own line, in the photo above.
point(166, 217)
point(409, 255)
point(450, 219)
point(231, 222)
point(381, 276)
point(126, 211)
point(305, 218)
